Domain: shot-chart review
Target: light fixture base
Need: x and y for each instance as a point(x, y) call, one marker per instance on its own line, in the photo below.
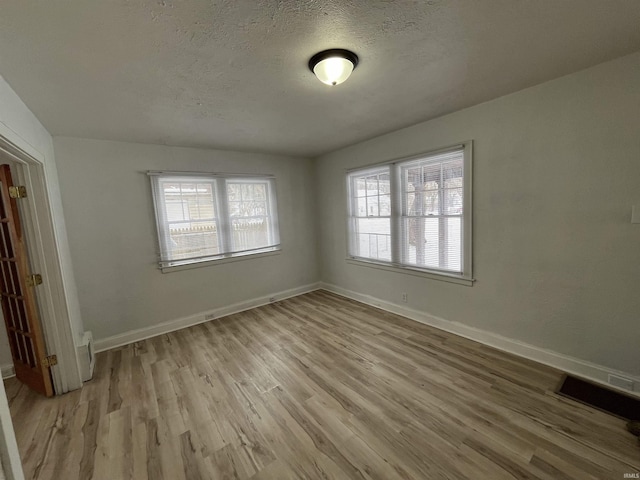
point(333, 66)
point(333, 52)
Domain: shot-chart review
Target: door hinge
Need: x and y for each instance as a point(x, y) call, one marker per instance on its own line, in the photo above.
point(33, 280)
point(50, 361)
point(18, 191)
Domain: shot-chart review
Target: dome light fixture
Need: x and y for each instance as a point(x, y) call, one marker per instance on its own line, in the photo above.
point(333, 66)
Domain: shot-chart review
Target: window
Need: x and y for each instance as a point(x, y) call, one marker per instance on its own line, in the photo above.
point(204, 217)
point(371, 215)
point(414, 213)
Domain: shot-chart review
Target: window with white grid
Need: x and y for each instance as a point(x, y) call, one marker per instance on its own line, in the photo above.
point(370, 214)
point(414, 213)
point(204, 217)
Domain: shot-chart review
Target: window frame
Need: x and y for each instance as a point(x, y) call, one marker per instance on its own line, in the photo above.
point(396, 265)
point(222, 218)
point(353, 200)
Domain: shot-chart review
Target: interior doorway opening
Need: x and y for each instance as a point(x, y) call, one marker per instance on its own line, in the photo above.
point(40, 241)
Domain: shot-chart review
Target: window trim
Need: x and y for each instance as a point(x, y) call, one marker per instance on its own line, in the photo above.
point(464, 278)
point(222, 218)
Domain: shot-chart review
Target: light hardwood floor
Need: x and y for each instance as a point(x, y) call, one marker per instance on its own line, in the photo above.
point(317, 386)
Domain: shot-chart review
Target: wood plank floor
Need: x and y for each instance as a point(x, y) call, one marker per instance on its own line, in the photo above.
point(316, 386)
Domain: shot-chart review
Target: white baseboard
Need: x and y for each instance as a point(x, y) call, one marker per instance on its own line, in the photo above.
point(581, 368)
point(7, 370)
point(179, 323)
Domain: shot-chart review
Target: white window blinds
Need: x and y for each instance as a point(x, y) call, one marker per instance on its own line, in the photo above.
point(370, 214)
point(414, 213)
point(432, 211)
point(202, 217)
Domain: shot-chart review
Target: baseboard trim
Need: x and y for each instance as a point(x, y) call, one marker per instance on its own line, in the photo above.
point(166, 327)
point(581, 368)
point(7, 370)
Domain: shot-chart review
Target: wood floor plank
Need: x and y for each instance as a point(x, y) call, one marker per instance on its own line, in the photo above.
point(316, 386)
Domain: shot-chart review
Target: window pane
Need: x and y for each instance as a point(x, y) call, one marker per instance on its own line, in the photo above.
point(372, 207)
point(384, 183)
point(249, 234)
point(431, 202)
point(431, 178)
point(246, 199)
point(260, 192)
point(453, 250)
point(203, 208)
point(233, 192)
point(421, 241)
point(361, 207)
point(452, 173)
point(423, 203)
point(373, 238)
point(433, 243)
point(370, 235)
point(385, 205)
point(251, 223)
point(193, 239)
point(372, 185)
point(411, 176)
point(190, 215)
point(453, 201)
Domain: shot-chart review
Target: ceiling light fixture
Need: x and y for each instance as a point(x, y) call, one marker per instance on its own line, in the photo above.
point(333, 66)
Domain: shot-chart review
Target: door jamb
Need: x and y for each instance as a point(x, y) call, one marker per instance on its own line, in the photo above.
point(44, 256)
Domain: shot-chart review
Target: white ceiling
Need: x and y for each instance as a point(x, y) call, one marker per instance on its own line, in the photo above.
point(233, 73)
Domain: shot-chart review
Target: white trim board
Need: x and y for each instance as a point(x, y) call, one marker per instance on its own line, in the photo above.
point(7, 370)
point(172, 325)
point(581, 368)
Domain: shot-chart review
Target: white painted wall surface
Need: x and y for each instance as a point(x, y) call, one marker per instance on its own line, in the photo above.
point(112, 233)
point(556, 171)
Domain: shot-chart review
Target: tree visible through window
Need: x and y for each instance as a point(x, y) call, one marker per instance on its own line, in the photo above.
point(414, 213)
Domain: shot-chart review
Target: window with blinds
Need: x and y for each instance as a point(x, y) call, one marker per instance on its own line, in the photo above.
point(204, 217)
point(371, 214)
point(414, 213)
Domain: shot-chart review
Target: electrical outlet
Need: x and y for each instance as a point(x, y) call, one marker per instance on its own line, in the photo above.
point(210, 316)
point(405, 297)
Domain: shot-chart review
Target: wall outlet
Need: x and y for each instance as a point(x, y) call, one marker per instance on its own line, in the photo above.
point(405, 297)
point(621, 382)
point(210, 316)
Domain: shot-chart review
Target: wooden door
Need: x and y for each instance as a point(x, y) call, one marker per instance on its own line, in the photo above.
point(18, 298)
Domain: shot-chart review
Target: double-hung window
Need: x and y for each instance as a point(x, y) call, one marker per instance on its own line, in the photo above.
point(414, 213)
point(205, 217)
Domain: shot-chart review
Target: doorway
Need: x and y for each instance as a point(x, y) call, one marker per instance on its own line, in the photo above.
point(27, 166)
point(18, 292)
point(44, 231)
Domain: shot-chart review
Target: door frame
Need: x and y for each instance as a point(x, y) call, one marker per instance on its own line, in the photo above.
point(45, 259)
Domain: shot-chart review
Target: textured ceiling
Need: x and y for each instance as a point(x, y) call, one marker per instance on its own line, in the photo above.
point(233, 73)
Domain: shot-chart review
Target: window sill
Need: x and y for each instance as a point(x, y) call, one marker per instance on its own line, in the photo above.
point(188, 265)
point(443, 277)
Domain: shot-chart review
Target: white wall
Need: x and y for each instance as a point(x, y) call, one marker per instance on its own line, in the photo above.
point(556, 171)
point(109, 211)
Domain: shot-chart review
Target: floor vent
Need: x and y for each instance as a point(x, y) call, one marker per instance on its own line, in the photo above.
point(602, 398)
